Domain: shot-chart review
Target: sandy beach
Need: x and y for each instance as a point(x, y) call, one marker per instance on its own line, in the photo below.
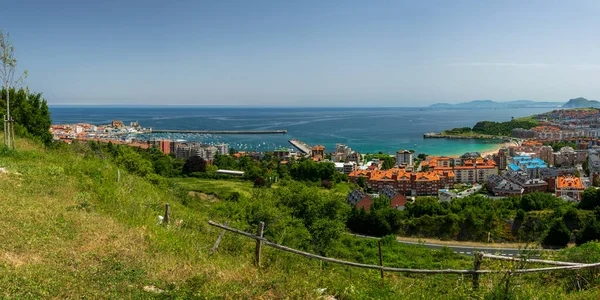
point(495, 149)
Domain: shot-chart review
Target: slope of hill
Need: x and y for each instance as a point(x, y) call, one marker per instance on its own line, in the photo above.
point(71, 230)
point(581, 103)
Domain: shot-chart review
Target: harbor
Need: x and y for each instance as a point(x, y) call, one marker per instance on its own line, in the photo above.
point(281, 131)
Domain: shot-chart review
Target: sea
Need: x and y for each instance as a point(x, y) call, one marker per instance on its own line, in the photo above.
point(367, 130)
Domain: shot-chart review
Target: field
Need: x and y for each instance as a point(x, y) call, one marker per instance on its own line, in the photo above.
point(71, 230)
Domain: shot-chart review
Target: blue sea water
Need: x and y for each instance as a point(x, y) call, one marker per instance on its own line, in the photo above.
point(367, 130)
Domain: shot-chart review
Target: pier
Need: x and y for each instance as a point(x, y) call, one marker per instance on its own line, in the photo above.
point(303, 147)
point(220, 131)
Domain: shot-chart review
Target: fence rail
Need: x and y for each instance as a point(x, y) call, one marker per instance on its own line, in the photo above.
point(475, 272)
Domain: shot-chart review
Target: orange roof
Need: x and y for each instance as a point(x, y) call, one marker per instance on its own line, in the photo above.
point(569, 182)
point(318, 148)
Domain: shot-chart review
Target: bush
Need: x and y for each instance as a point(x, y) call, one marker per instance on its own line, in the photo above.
point(194, 164)
point(558, 235)
point(591, 232)
point(260, 182)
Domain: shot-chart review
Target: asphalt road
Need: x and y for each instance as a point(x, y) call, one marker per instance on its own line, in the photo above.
point(468, 250)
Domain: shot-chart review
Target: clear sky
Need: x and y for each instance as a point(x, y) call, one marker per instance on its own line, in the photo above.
point(306, 53)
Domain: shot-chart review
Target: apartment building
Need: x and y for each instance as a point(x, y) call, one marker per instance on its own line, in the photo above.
point(407, 183)
point(569, 187)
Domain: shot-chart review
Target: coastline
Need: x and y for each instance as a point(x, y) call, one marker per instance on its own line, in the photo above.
point(495, 149)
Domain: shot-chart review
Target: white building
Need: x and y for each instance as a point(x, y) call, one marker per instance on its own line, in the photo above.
point(404, 157)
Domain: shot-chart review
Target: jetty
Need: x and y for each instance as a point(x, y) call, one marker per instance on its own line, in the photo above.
point(301, 146)
point(283, 131)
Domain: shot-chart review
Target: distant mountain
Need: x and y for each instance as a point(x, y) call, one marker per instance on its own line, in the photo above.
point(494, 104)
point(581, 102)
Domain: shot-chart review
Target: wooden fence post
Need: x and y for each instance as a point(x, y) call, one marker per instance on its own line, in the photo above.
point(118, 175)
point(476, 265)
point(216, 246)
point(167, 213)
point(261, 227)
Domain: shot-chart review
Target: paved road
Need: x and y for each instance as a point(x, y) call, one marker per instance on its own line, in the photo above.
point(467, 250)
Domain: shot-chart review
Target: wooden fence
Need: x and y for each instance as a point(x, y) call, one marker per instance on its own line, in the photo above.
point(476, 271)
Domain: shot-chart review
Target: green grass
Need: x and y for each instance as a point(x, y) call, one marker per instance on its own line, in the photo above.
point(70, 230)
point(220, 188)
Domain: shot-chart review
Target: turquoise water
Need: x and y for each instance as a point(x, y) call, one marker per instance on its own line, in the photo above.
point(367, 130)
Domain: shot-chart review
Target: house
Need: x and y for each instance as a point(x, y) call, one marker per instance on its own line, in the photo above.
point(397, 200)
point(359, 199)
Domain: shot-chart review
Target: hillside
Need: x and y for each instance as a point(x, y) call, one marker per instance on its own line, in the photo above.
point(70, 230)
point(581, 103)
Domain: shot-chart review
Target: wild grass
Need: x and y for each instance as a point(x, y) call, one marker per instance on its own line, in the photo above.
point(219, 188)
point(70, 230)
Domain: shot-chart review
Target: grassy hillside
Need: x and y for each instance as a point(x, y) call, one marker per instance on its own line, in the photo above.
point(70, 230)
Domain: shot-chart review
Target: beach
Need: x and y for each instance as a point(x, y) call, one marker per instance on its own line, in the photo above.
point(495, 149)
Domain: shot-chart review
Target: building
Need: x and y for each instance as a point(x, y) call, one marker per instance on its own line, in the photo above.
point(501, 186)
point(407, 183)
point(569, 186)
point(404, 158)
point(397, 200)
point(501, 159)
point(546, 154)
point(349, 167)
point(318, 152)
point(530, 165)
point(468, 168)
point(223, 149)
point(359, 199)
point(281, 153)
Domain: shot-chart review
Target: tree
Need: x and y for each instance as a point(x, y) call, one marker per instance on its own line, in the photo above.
point(194, 164)
point(29, 112)
point(591, 232)
point(589, 199)
point(558, 235)
point(133, 162)
point(7, 74)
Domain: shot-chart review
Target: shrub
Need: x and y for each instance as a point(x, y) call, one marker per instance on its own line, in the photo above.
point(591, 232)
point(558, 235)
point(260, 182)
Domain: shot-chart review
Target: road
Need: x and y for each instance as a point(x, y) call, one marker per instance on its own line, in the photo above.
point(466, 250)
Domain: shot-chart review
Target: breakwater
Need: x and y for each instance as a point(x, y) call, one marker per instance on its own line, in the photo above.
point(220, 131)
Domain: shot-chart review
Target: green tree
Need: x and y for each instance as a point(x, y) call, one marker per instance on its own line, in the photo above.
point(558, 235)
point(8, 64)
point(133, 162)
point(589, 199)
point(589, 233)
point(194, 164)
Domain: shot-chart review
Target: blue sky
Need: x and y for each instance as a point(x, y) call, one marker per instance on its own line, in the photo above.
point(306, 53)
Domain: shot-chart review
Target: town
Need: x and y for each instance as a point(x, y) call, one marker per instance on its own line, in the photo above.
point(561, 155)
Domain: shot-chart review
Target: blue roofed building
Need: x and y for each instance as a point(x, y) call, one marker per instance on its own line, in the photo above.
point(530, 165)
